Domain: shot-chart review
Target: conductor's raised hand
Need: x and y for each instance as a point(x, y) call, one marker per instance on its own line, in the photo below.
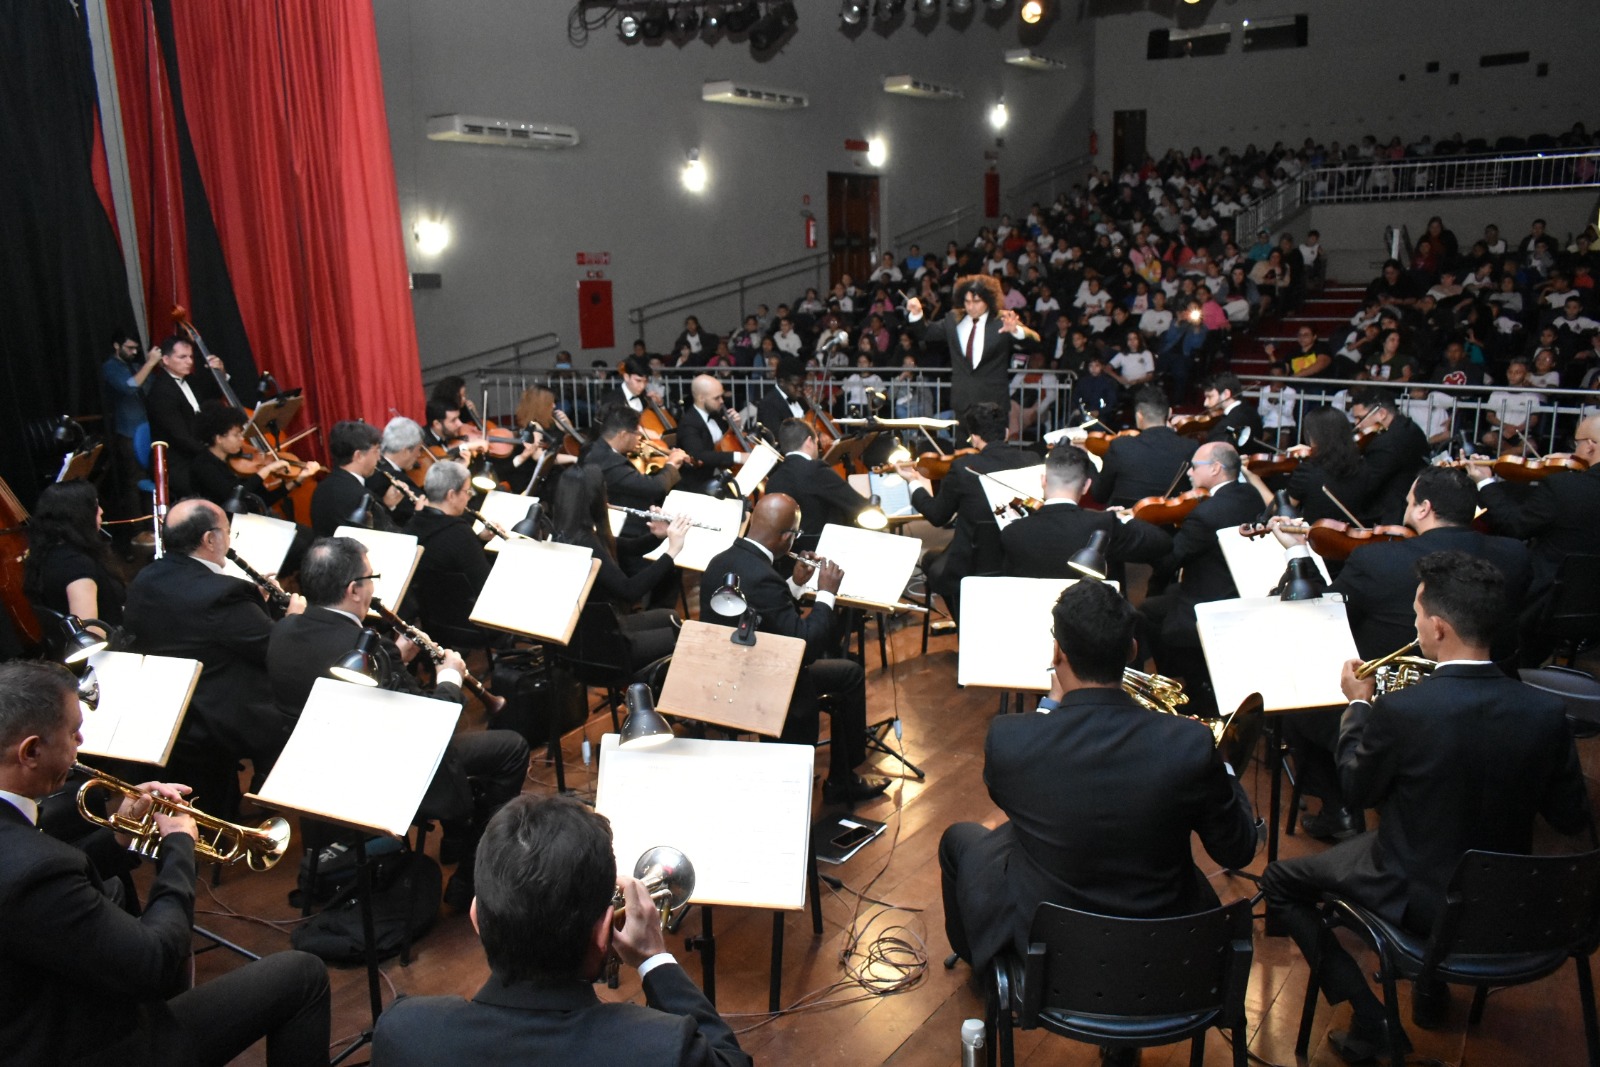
point(829, 576)
point(640, 936)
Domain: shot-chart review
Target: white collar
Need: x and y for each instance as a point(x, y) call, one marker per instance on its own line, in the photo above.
point(27, 805)
point(761, 548)
point(348, 615)
point(1463, 663)
point(214, 568)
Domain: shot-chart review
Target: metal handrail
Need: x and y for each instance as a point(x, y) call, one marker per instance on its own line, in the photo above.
point(740, 285)
point(949, 218)
point(538, 344)
point(1050, 174)
point(1475, 175)
point(1271, 211)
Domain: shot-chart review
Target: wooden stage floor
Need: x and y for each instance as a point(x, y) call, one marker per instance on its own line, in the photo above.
point(944, 731)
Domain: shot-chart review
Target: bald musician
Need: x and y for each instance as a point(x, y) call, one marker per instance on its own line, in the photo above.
point(702, 426)
point(774, 525)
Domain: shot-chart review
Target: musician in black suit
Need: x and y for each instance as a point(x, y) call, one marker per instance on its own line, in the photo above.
point(545, 917)
point(1379, 587)
point(1101, 797)
point(172, 400)
point(1148, 463)
point(86, 982)
point(399, 448)
point(1423, 756)
point(1040, 545)
point(1238, 422)
point(822, 495)
point(786, 399)
point(343, 495)
point(701, 428)
point(618, 435)
point(454, 565)
point(1558, 514)
point(774, 525)
point(634, 393)
point(481, 769)
point(975, 547)
point(980, 338)
point(185, 605)
point(1196, 557)
point(1391, 459)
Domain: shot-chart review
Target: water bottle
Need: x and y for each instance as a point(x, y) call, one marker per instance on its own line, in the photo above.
point(971, 1042)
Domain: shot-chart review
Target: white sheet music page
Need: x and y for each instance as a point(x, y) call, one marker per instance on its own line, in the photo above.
point(262, 541)
point(763, 457)
point(534, 587)
point(393, 556)
point(877, 565)
point(1257, 563)
point(1002, 487)
point(142, 701)
point(727, 516)
point(1006, 631)
point(1299, 673)
point(505, 510)
point(362, 755)
point(750, 852)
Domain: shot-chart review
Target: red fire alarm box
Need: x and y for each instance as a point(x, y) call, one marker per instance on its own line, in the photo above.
point(596, 328)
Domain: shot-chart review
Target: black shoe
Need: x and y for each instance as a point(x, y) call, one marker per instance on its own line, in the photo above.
point(1334, 824)
point(459, 892)
point(852, 790)
point(1430, 1005)
point(1119, 1057)
point(1364, 1041)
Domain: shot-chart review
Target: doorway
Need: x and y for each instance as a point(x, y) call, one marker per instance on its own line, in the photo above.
point(852, 225)
point(1127, 140)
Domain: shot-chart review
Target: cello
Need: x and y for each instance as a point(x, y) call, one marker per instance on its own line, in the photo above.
point(13, 551)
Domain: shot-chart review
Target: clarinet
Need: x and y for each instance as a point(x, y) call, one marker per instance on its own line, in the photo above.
point(436, 651)
point(404, 487)
point(277, 596)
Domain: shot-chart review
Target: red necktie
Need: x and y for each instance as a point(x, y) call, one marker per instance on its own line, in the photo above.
point(972, 331)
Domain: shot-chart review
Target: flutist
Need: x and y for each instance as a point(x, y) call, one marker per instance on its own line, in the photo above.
point(86, 982)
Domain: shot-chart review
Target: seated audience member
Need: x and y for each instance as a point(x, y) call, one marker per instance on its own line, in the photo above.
point(1094, 394)
point(1418, 755)
point(581, 518)
point(86, 982)
point(545, 916)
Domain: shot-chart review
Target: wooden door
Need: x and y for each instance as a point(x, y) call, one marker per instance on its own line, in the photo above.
point(1127, 140)
point(852, 226)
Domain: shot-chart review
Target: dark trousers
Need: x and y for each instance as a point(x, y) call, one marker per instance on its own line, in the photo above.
point(651, 635)
point(283, 997)
point(942, 580)
point(666, 593)
point(495, 763)
point(845, 683)
point(958, 838)
point(1312, 736)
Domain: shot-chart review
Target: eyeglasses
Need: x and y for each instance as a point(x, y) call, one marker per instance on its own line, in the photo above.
point(365, 578)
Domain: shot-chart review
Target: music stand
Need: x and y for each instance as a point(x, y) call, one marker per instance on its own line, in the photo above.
point(847, 450)
point(277, 412)
point(537, 589)
point(700, 546)
point(1257, 563)
point(740, 687)
point(361, 757)
point(143, 701)
point(261, 541)
point(754, 471)
point(79, 465)
point(394, 556)
point(505, 510)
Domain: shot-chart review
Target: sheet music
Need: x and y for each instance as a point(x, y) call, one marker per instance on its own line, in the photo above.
point(505, 510)
point(536, 587)
point(142, 703)
point(1006, 631)
point(763, 457)
point(616, 519)
point(751, 852)
point(1257, 563)
point(699, 546)
point(876, 565)
point(262, 541)
point(1002, 487)
point(893, 492)
point(361, 755)
point(392, 556)
point(1299, 673)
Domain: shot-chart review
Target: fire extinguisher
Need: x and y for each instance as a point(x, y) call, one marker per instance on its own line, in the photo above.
point(811, 230)
point(1094, 143)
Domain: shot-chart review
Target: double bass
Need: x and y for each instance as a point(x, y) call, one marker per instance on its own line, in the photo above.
point(13, 551)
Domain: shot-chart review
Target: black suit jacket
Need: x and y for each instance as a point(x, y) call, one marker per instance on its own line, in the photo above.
point(84, 981)
point(823, 496)
point(1390, 464)
point(695, 439)
point(178, 607)
point(975, 548)
point(626, 486)
point(508, 1024)
point(1462, 760)
point(378, 486)
point(990, 380)
point(1379, 582)
point(773, 408)
point(213, 479)
point(1195, 549)
point(452, 570)
point(1141, 465)
point(171, 418)
point(336, 498)
point(1040, 545)
point(1559, 515)
point(1101, 796)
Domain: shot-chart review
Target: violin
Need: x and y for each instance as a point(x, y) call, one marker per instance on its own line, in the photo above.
point(477, 428)
point(1197, 425)
point(1098, 442)
point(572, 442)
point(1267, 464)
point(1333, 539)
point(248, 461)
point(1535, 468)
point(935, 466)
point(1168, 510)
point(1019, 506)
point(1365, 434)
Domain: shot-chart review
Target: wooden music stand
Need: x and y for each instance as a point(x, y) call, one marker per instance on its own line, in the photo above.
point(847, 450)
point(394, 556)
point(143, 701)
point(537, 589)
point(79, 465)
point(741, 687)
point(279, 411)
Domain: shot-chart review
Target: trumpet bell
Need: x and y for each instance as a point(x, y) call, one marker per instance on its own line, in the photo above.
point(669, 876)
point(273, 837)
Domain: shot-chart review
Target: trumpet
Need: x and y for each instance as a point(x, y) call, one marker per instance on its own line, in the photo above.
point(216, 840)
point(1397, 670)
point(276, 594)
point(668, 877)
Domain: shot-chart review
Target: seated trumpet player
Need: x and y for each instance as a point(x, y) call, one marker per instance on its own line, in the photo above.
point(1101, 795)
point(84, 981)
point(1421, 755)
point(545, 916)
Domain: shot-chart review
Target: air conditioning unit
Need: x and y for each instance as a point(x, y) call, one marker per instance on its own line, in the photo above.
point(906, 85)
point(1031, 60)
point(474, 129)
point(727, 92)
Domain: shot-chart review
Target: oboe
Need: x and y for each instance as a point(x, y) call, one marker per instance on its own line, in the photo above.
point(494, 527)
point(276, 594)
point(658, 516)
point(436, 651)
point(404, 487)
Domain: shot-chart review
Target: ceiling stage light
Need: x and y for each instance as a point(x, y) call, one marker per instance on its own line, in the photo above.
point(654, 22)
point(852, 12)
point(685, 20)
point(1032, 11)
point(628, 28)
point(773, 25)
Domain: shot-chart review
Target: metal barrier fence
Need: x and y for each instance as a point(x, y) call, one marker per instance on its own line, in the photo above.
point(1442, 412)
point(1482, 175)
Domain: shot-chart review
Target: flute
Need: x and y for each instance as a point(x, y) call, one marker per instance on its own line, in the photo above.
point(659, 516)
point(277, 596)
point(810, 559)
point(491, 702)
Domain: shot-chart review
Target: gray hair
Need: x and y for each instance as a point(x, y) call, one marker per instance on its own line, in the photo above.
point(444, 478)
point(400, 434)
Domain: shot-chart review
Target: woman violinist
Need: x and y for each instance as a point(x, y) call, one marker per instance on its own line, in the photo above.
point(1332, 464)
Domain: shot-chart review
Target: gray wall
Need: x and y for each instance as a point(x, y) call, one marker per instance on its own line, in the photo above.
point(1347, 82)
point(519, 217)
